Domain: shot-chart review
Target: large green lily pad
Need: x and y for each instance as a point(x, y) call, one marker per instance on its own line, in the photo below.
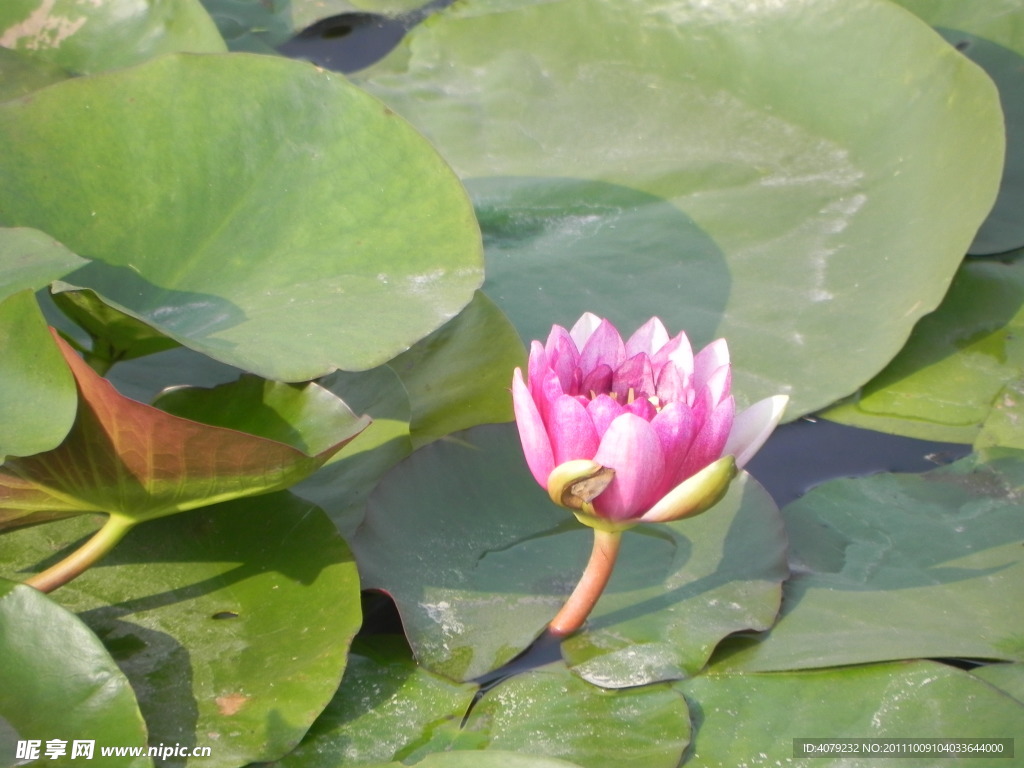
point(550, 712)
point(901, 566)
point(387, 708)
point(259, 210)
point(49, 692)
point(830, 160)
point(21, 73)
point(458, 376)
point(232, 623)
point(91, 37)
point(992, 35)
point(478, 563)
point(753, 720)
point(946, 381)
point(342, 486)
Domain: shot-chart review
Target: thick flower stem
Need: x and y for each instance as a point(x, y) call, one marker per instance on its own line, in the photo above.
point(82, 558)
point(595, 578)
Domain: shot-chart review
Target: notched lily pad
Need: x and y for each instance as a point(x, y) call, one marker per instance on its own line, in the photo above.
point(480, 579)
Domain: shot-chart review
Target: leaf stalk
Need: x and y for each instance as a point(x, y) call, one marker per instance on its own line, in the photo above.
point(99, 545)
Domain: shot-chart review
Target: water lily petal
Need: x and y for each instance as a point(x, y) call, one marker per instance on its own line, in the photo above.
point(635, 374)
point(584, 328)
point(532, 433)
point(670, 386)
point(604, 347)
point(537, 367)
point(598, 380)
point(709, 442)
point(753, 426)
point(603, 410)
point(676, 425)
point(679, 353)
point(648, 339)
point(564, 359)
point(631, 447)
point(719, 383)
point(709, 360)
point(571, 430)
point(643, 408)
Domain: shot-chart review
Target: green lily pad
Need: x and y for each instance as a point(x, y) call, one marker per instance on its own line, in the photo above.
point(21, 73)
point(496, 758)
point(232, 622)
point(91, 37)
point(37, 392)
point(427, 531)
point(946, 381)
point(257, 26)
point(259, 210)
point(753, 719)
point(1004, 426)
point(992, 35)
point(343, 484)
point(550, 712)
point(385, 708)
point(140, 462)
point(1005, 677)
point(682, 587)
point(458, 376)
point(801, 146)
point(479, 562)
point(901, 566)
point(31, 259)
point(115, 336)
point(59, 682)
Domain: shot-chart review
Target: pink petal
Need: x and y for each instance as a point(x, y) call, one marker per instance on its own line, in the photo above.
point(571, 430)
point(643, 408)
point(709, 360)
point(604, 347)
point(563, 357)
point(632, 448)
point(675, 426)
point(537, 366)
point(545, 389)
point(534, 437)
point(635, 374)
point(598, 381)
point(709, 442)
point(679, 353)
point(584, 328)
point(603, 411)
point(670, 386)
point(719, 383)
point(753, 426)
point(648, 339)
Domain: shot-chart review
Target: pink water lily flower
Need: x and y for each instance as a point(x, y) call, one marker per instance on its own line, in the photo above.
point(642, 430)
